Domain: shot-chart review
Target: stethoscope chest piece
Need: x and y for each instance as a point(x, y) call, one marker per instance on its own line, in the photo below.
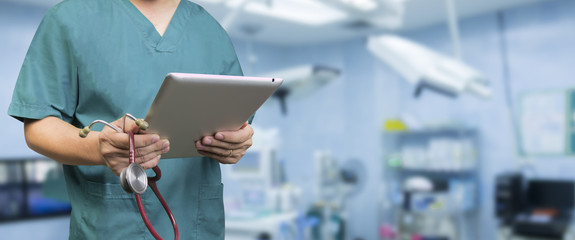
point(134, 179)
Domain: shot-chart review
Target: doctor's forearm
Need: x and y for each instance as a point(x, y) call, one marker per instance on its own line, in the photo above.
point(59, 140)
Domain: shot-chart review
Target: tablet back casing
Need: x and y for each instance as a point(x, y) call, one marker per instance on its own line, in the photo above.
point(190, 106)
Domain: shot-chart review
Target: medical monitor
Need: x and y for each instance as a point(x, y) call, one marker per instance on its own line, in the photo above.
point(551, 194)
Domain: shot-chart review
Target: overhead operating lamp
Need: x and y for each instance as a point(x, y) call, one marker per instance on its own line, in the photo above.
point(426, 68)
point(300, 81)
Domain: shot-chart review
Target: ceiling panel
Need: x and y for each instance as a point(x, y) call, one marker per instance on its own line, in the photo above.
point(417, 14)
point(254, 26)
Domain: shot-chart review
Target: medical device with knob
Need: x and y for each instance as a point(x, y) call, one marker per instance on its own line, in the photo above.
point(133, 179)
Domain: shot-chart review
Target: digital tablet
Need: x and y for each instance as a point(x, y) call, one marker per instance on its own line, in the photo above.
point(190, 106)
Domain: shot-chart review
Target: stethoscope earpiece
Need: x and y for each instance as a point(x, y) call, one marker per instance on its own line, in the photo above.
point(84, 132)
point(142, 124)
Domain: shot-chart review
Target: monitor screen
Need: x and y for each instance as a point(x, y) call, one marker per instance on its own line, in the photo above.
point(22, 189)
point(551, 194)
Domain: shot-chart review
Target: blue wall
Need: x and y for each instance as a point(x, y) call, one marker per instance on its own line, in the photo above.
point(345, 116)
point(18, 24)
point(540, 55)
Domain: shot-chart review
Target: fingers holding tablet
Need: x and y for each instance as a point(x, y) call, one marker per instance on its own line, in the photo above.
point(227, 147)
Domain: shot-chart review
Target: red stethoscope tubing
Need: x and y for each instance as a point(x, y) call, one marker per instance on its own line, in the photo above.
point(152, 184)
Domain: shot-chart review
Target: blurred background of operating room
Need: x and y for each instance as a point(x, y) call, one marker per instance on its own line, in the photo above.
point(398, 119)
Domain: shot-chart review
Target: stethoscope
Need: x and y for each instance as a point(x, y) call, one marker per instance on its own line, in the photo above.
point(133, 179)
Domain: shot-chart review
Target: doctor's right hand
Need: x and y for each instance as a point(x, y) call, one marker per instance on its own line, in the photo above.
point(114, 147)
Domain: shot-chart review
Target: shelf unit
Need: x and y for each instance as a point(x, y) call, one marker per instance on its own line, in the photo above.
point(449, 159)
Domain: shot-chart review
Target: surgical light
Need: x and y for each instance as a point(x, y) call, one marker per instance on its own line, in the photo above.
point(303, 80)
point(426, 68)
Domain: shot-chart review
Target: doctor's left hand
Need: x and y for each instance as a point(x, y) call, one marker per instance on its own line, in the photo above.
point(227, 147)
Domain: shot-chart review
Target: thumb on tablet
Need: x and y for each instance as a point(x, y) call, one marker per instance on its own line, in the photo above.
point(239, 135)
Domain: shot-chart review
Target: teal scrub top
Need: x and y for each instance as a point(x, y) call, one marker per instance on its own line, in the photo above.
point(99, 59)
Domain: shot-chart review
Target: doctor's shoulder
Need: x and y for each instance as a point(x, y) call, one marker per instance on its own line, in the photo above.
point(203, 16)
point(85, 13)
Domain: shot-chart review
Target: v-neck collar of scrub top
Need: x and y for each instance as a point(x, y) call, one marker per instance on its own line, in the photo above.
point(153, 39)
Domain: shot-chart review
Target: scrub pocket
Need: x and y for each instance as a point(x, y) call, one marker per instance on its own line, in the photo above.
point(106, 212)
point(211, 219)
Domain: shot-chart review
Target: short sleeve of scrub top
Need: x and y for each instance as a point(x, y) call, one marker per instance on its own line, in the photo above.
point(99, 59)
